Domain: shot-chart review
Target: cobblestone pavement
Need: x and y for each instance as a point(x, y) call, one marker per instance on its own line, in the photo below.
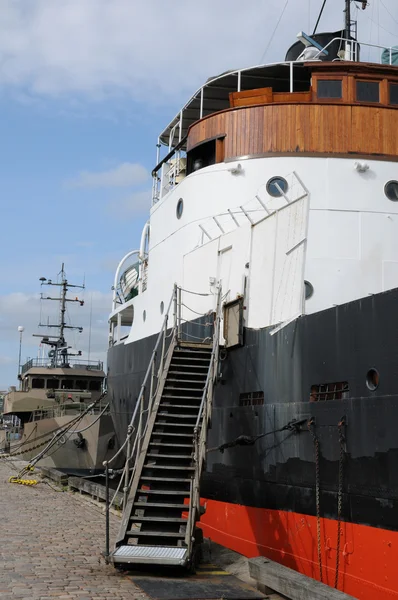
point(50, 546)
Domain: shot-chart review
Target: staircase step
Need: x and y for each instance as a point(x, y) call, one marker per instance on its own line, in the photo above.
point(170, 379)
point(177, 364)
point(169, 467)
point(167, 445)
point(168, 534)
point(176, 479)
point(197, 359)
point(165, 492)
point(176, 416)
point(161, 555)
point(164, 423)
point(171, 397)
point(182, 389)
point(175, 456)
point(158, 434)
point(160, 505)
point(164, 406)
point(134, 519)
point(186, 373)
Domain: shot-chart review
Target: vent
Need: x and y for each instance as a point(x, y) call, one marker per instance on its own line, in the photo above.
point(251, 399)
point(329, 391)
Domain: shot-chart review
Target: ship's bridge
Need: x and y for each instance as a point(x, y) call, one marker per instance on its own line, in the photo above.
point(292, 75)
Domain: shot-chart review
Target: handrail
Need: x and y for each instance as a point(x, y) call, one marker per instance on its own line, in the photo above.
point(356, 45)
point(201, 426)
point(139, 410)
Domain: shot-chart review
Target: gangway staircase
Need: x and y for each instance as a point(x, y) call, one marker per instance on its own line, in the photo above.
point(162, 498)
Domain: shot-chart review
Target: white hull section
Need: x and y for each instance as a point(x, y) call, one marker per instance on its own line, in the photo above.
point(334, 228)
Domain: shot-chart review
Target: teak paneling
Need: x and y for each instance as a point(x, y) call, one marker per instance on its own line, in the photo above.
point(306, 128)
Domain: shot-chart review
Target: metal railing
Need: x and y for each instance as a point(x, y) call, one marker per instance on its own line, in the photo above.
point(350, 50)
point(145, 405)
point(89, 365)
point(67, 408)
point(139, 421)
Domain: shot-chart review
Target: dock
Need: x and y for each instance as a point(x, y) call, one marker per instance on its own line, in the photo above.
point(51, 544)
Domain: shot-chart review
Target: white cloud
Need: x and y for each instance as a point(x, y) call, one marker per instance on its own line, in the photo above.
point(124, 175)
point(136, 204)
point(152, 50)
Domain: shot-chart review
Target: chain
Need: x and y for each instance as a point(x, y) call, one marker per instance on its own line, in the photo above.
point(340, 497)
point(26, 450)
point(310, 425)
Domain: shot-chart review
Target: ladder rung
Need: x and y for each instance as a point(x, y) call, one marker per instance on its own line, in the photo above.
point(160, 505)
point(165, 492)
point(133, 533)
point(176, 479)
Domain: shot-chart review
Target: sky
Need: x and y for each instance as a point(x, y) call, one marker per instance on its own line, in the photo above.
point(86, 86)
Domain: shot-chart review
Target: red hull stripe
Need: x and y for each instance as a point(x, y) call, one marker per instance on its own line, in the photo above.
point(368, 556)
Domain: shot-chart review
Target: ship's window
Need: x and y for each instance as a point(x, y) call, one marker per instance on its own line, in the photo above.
point(81, 384)
point(391, 190)
point(94, 385)
point(275, 185)
point(330, 88)
point(52, 384)
point(37, 383)
point(161, 307)
point(144, 316)
point(180, 208)
point(309, 289)
point(251, 399)
point(372, 379)
point(201, 156)
point(66, 384)
point(329, 391)
point(393, 93)
point(368, 91)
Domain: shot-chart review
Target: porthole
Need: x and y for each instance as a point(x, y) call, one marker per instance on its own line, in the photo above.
point(391, 190)
point(309, 289)
point(372, 379)
point(274, 183)
point(180, 208)
point(144, 316)
point(161, 307)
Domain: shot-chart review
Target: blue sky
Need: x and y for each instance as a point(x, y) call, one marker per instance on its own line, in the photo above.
point(86, 86)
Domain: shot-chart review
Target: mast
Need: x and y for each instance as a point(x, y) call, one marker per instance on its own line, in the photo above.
point(59, 349)
point(347, 24)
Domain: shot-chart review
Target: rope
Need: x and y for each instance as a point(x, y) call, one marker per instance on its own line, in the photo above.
point(247, 440)
point(194, 293)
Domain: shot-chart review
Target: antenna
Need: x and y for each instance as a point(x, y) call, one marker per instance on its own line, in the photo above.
point(59, 353)
point(89, 331)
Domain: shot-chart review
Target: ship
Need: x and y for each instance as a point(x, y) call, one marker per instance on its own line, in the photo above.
point(276, 189)
point(59, 413)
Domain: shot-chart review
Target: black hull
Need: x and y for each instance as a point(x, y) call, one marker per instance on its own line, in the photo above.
point(278, 472)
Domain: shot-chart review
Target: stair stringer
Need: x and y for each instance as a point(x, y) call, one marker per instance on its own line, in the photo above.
point(121, 538)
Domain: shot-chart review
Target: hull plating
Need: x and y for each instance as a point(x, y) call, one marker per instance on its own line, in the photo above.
point(276, 475)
